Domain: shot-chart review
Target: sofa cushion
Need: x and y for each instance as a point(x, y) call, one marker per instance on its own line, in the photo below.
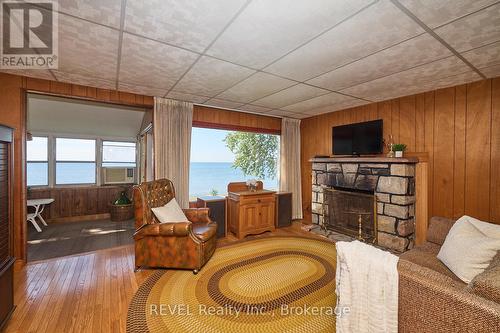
point(487, 284)
point(426, 255)
point(469, 247)
point(438, 229)
point(170, 213)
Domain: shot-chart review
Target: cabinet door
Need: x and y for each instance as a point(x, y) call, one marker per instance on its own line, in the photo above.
point(250, 217)
point(266, 214)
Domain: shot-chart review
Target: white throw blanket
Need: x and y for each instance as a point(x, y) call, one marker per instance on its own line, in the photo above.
point(367, 289)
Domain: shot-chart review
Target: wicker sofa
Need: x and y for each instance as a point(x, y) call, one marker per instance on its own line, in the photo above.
point(433, 299)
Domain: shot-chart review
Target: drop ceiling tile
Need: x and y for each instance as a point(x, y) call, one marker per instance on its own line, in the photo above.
point(254, 108)
point(492, 71)
point(408, 82)
point(336, 107)
point(435, 13)
point(449, 81)
point(36, 73)
point(187, 97)
point(375, 28)
point(320, 101)
point(192, 24)
point(143, 90)
point(474, 30)
point(282, 113)
point(209, 77)
point(414, 52)
point(221, 103)
point(148, 63)
point(255, 87)
point(86, 48)
point(292, 95)
point(267, 30)
point(103, 12)
point(485, 56)
point(84, 80)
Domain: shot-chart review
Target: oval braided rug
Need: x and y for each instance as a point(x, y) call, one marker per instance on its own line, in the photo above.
point(275, 284)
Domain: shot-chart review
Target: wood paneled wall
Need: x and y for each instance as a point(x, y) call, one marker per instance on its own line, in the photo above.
point(459, 127)
point(204, 116)
point(78, 203)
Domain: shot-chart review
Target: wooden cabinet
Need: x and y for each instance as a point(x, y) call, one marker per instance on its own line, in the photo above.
point(6, 232)
point(251, 212)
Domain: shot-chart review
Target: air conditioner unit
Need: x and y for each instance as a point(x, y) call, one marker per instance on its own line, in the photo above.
point(118, 175)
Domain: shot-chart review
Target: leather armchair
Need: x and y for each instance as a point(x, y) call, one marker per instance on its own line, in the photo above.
point(184, 245)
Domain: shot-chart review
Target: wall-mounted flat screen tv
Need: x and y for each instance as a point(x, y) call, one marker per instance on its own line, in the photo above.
point(358, 139)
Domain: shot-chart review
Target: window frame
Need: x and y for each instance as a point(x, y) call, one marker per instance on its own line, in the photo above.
point(98, 158)
point(96, 174)
point(47, 161)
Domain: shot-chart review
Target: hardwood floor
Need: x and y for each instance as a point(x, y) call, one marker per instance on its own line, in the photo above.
point(88, 292)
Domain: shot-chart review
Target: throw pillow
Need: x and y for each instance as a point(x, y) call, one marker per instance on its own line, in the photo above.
point(170, 213)
point(469, 247)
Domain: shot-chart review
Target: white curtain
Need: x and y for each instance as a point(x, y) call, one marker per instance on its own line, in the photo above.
point(172, 123)
point(290, 180)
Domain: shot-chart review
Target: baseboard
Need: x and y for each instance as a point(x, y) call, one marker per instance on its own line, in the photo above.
point(93, 217)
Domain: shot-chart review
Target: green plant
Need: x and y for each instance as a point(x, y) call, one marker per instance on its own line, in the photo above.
point(214, 192)
point(398, 147)
point(255, 154)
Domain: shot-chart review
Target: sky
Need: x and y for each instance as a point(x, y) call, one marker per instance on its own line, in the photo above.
point(207, 145)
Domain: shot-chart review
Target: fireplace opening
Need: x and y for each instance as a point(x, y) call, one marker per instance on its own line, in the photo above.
point(351, 212)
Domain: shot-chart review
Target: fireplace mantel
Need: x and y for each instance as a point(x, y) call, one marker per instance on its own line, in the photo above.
point(368, 159)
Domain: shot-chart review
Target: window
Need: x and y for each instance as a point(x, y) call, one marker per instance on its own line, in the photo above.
point(121, 154)
point(75, 161)
point(37, 162)
point(219, 157)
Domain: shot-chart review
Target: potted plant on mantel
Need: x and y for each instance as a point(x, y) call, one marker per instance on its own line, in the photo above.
point(398, 149)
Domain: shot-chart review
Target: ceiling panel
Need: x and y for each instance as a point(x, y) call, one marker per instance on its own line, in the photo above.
point(103, 12)
point(474, 30)
point(149, 63)
point(290, 95)
point(438, 12)
point(187, 97)
point(254, 108)
point(255, 87)
point(143, 90)
point(84, 80)
point(221, 103)
point(209, 77)
point(408, 82)
point(485, 56)
point(86, 48)
point(414, 52)
point(36, 73)
point(267, 30)
point(375, 28)
point(320, 101)
point(492, 71)
point(192, 24)
point(341, 105)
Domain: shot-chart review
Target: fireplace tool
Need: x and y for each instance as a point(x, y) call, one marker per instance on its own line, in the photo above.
point(360, 224)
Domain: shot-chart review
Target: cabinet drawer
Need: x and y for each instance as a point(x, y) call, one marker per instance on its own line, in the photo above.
point(254, 201)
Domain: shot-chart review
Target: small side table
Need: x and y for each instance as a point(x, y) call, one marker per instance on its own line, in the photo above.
point(39, 205)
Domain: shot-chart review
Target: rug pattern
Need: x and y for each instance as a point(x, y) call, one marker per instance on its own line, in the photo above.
point(275, 284)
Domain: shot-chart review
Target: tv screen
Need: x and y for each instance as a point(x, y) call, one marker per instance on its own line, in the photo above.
point(358, 139)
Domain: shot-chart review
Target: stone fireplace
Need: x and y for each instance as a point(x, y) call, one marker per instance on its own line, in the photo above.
point(376, 193)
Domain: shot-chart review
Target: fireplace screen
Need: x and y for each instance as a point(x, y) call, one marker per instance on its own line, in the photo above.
point(351, 213)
